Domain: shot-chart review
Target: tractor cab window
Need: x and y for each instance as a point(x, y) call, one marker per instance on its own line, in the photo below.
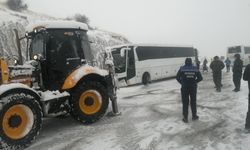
point(63, 49)
point(37, 45)
point(89, 56)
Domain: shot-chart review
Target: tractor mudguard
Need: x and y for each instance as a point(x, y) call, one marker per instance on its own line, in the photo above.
point(6, 89)
point(72, 80)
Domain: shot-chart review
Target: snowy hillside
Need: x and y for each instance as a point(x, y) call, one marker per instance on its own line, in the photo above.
point(10, 20)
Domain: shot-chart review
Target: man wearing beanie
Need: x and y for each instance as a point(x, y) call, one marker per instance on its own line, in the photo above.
point(237, 72)
point(217, 65)
point(188, 76)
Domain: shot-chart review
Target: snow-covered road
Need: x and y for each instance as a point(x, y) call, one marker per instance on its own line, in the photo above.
point(151, 119)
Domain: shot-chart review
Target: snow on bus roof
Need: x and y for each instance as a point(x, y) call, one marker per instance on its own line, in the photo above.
point(149, 45)
point(58, 24)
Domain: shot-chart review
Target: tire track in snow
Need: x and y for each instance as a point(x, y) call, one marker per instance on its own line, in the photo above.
point(153, 92)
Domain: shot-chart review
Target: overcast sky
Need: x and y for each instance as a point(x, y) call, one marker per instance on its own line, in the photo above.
point(209, 25)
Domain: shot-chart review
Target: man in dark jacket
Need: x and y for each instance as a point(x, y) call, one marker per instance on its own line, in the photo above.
point(217, 65)
point(237, 72)
point(188, 76)
point(205, 65)
point(246, 77)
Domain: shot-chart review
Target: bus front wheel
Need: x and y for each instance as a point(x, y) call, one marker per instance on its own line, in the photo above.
point(146, 78)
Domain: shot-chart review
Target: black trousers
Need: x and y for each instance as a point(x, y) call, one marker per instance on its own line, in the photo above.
point(236, 80)
point(188, 94)
point(228, 68)
point(217, 79)
point(247, 125)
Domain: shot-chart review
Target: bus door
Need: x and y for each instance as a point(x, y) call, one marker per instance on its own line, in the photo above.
point(120, 56)
point(130, 64)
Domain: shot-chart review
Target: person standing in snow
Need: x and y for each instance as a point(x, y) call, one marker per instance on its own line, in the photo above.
point(246, 77)
point(205, 65)
point(188, 76)
point(217, 65)
point(228, 63)
point(197, 63)
point(237, 72)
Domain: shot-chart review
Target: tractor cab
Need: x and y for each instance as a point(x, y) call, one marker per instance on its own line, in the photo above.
point(60, 49)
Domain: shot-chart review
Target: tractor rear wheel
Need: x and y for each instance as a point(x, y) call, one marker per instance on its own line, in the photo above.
point(89, 102)
point(20, 120)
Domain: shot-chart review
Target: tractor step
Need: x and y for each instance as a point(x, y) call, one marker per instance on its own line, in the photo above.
point(52, 95)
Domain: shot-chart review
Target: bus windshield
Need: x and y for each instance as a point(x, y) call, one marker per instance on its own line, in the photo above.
point(236, 49)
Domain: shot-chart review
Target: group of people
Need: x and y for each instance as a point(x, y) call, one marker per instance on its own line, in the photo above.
point(189, 75)
point(217, 65)
point(227, 63)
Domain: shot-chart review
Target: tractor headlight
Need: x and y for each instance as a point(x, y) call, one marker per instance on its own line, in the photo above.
point(35, 57)
point(15, 62)
point(26, 34)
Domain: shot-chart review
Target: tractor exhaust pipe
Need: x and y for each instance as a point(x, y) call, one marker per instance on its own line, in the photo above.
point(115, 106)
point(20, 58)
point(115, 111)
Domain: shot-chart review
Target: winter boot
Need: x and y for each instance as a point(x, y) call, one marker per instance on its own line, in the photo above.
point(195, 118)
point(185, 120)
point(247, 125)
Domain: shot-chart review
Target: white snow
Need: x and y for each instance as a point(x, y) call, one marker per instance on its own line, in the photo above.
point(151, 120)
point(6, 87)
point(85, 70)
point(150, 45)
point(57, 24)
point(49, 95)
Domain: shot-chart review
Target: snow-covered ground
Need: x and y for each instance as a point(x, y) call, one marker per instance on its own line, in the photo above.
point(151, 119)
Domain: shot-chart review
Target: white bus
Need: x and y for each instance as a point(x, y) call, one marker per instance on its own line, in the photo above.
point(143, 63)
point(244, 52)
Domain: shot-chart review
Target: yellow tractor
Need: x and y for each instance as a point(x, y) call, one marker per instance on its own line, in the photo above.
point(60, 76)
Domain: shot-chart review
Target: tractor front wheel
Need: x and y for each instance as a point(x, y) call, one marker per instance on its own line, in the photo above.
point(20, 120)
point(89, 102)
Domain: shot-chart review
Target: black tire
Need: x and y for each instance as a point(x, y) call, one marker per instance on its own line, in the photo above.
point(146, 79)
point(99, 98)
point(22, 114)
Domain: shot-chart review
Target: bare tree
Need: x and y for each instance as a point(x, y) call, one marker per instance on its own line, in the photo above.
point(17, 5)
point(80, 18)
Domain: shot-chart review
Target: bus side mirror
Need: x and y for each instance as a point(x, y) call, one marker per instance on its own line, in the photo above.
point(123, 50)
